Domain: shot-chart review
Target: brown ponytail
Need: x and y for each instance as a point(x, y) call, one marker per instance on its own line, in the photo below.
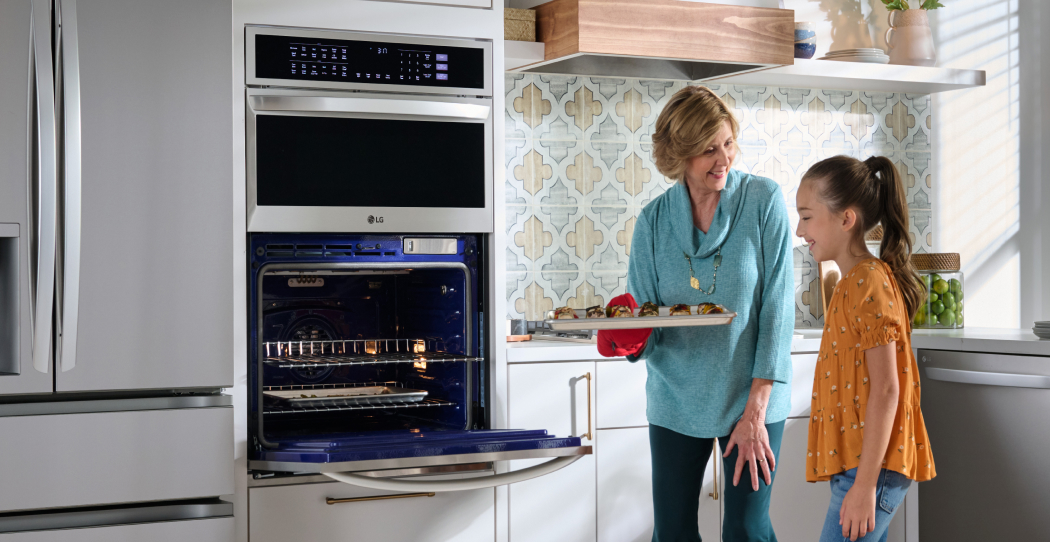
point(874, 189)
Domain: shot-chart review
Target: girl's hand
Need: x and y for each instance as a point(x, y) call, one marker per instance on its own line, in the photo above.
point(857, 515)
point(752, 442)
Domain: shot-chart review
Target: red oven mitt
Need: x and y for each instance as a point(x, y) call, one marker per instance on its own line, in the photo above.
point(615, 343)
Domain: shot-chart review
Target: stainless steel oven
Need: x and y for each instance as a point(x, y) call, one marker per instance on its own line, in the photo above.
point(367, 133)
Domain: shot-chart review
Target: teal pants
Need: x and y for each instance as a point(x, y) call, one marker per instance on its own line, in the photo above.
point(679, 462)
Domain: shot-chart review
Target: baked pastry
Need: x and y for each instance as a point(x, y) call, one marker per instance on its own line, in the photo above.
point(619, 311)
point(709, 308)
point(649, 309)
point(565, 313)
point(681, 309)
point(596, 311)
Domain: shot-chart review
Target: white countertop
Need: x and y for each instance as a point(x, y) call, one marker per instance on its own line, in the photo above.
point(1002, 341)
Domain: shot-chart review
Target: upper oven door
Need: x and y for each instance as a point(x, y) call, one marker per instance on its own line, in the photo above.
point(359, 162)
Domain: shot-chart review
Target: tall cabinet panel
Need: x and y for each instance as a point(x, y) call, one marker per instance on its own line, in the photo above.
point(19, 155)
point(154, 270)
point(560, 506)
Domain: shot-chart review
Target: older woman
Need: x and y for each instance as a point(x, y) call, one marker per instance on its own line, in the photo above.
point(717, 236)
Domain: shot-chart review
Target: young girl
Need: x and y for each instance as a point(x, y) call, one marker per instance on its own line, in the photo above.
point(866, 434)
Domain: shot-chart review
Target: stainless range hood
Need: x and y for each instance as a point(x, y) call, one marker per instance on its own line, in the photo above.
point(660, 39)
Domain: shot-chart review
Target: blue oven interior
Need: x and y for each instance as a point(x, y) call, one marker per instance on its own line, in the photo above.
point(347, 314)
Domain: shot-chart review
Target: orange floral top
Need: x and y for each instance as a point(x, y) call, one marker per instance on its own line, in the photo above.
point(866, 310)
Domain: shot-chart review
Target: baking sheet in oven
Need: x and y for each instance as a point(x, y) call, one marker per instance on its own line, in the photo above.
point(366, 395)
point(664, 320)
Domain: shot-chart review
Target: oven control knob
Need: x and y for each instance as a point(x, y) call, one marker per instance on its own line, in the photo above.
point(359, 246)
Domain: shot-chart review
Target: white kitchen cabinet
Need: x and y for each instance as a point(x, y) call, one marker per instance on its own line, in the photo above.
point(301, 512)
point(797, 508)
point(197, 530)
point(621, 394)
point(559, 506)
point(802, 370)
point(625, 492)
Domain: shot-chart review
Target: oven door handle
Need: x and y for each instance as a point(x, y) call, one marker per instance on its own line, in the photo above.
point(481, 482)
point(381, 106)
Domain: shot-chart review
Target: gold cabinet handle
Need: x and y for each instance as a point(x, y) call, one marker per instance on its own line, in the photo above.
point(714, 459)
point(589, 435)
point(330, 500)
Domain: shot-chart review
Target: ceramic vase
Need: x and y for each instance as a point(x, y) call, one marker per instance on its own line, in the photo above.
point(805, 40)
point(909, 39)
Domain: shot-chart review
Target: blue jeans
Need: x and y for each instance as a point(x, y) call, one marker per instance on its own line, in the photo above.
point(889, 494)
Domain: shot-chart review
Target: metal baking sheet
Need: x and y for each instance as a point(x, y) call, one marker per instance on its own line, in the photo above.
point(366, 395)
point(664, 320)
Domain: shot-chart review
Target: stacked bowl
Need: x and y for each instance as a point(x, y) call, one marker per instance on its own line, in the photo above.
point(805, 40)
point(1042, 330)
point(874, 56)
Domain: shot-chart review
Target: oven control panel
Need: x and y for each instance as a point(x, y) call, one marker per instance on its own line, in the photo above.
point(303, 58)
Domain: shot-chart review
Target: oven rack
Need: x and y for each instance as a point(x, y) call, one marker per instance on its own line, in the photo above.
point(335, 360)
point(282, 349)
point(282, 409)
point(314, 354)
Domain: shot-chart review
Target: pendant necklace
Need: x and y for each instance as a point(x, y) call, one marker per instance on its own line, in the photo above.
point(696, 283)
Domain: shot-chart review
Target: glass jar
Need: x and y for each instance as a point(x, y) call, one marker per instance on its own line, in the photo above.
point(945, 289)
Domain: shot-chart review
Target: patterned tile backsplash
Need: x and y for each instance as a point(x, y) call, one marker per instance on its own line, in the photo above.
point(580, 169)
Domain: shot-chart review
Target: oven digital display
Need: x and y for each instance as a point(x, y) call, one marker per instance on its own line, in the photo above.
point(388, 63)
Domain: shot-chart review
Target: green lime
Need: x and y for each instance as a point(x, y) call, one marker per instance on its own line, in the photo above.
point(946, 319)
point(920, 316)
point(927, 281)
point(934, 277)
point(934, 297)
point(955, 286)
point(936, 307)
point(959, 295)
point(959, 320)
point(940, 286)
point(949, 301)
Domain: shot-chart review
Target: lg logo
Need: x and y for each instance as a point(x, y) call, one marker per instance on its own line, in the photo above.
point(374, 219)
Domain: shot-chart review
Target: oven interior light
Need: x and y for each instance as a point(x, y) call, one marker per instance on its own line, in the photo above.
point(372, 347)
point(419, 347)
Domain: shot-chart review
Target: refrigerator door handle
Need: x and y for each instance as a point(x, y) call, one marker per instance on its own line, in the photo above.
point(988, 379)
point(47, 186)
point(481, 482)
point(71, 184)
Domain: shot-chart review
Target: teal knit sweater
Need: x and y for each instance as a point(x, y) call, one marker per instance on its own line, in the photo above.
point(700, 377)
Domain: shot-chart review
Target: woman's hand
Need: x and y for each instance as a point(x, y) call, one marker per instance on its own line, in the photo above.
point(857, 515)
point(752, 442)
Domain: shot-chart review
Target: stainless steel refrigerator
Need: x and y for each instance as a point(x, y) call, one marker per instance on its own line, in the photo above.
point(116, 274)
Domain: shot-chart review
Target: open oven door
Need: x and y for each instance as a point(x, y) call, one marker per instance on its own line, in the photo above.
point(361, 459)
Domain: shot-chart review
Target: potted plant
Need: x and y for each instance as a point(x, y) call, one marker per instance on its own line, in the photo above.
point(909, 39)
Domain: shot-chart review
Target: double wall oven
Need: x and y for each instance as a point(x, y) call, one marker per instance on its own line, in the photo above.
point(370, 194)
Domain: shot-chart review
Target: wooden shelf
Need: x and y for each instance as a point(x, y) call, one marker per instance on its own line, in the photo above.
point(832, 75)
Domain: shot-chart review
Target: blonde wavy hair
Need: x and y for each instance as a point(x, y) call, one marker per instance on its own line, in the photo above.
point(686, 127)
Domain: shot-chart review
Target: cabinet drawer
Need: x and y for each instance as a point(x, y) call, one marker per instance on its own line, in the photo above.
point(66, 460)
point(300, 512)
point(197, 530)
point(621, 394)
